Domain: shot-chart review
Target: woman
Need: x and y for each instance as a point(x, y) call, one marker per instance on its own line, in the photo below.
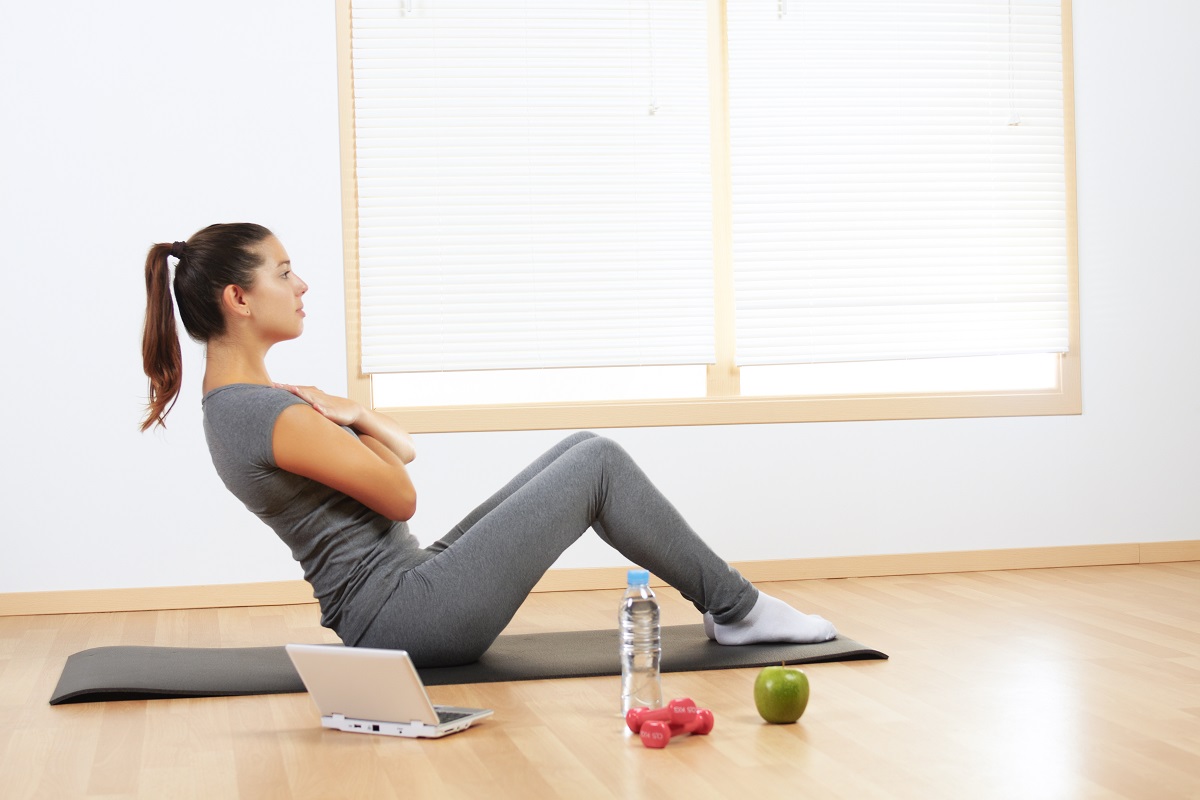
point(329, 477)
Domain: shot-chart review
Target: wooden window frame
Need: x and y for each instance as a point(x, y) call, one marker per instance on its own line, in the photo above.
point(722, 405)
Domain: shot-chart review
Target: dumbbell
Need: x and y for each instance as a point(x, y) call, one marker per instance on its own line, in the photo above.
point(657, 733)
point(656, 726)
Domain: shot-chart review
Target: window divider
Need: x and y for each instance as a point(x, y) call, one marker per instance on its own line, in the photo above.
point(723, 376)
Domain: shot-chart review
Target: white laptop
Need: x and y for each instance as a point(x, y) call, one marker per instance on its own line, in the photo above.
point(364, 690)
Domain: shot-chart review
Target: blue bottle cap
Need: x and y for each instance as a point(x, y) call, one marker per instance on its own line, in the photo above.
point(639, 577)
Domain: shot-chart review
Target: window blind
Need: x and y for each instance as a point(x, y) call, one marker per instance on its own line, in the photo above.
point(898, 179)
point(533, 183)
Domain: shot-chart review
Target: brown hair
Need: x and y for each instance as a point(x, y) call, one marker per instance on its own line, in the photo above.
point(210, 260)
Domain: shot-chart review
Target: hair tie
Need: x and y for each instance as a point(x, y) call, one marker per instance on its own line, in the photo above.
point(177, 249)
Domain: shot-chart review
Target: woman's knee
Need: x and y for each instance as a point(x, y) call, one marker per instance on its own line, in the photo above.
point(578, 437)
point(596, 445)
point(605, 447)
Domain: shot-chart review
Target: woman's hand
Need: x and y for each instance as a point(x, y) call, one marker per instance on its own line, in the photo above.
point(341, 410)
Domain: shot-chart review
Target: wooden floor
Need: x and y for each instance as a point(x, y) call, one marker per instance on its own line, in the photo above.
point(1054, 683)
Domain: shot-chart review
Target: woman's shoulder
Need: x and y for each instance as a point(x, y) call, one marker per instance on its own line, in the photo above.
point(245, 393)
point(239, 421)
point(246, 401)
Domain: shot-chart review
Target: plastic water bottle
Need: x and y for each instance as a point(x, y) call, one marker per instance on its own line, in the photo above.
point(641, 645)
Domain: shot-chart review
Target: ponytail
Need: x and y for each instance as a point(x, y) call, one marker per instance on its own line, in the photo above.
point(210, 260)
point(161, 356)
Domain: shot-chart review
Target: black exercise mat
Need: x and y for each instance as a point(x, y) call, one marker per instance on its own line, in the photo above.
point(146, 673)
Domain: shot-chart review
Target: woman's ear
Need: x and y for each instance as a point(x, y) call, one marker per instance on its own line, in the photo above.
point(234, 300)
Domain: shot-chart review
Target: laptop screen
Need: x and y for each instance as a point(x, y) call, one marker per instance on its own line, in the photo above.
point(363, 683)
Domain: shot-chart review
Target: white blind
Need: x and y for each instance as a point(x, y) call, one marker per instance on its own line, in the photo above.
point(534, 184)
point(886, 204)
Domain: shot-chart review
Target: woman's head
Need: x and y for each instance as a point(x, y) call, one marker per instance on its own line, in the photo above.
point(212, 259)
point(216, 257)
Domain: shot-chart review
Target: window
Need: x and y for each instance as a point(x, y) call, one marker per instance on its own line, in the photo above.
point(667, 212)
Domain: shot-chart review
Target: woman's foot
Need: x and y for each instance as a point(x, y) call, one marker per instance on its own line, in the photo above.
point(771, 620)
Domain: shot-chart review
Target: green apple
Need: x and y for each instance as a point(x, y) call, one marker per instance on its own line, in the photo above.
point(781, 694)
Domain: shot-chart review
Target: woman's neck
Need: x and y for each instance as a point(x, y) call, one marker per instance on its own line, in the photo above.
point(229, 362)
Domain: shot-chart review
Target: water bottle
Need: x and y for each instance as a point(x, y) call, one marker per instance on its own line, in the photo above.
point(641, 645)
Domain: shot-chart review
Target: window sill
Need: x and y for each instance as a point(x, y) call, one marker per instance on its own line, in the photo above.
point(734, 411)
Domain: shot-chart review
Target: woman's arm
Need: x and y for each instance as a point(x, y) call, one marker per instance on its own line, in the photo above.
point(353, 415)
point(307, 443)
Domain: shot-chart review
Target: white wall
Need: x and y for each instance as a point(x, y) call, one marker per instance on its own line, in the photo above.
point(137, 122)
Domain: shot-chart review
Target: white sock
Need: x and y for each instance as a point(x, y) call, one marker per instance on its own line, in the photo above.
point(771, 620)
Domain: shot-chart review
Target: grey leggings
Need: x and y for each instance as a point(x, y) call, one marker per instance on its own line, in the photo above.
point(450, 608)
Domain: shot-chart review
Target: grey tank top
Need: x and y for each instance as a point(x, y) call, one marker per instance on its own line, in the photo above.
point(351, 555)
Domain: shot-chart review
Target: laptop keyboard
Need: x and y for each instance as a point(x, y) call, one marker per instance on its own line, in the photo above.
point(450, 716)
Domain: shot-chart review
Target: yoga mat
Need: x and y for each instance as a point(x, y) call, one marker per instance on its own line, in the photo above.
point(146, 673)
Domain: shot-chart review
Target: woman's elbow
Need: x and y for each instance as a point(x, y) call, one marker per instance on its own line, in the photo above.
point(410, 510)
point(401, 509)
point(396, 497)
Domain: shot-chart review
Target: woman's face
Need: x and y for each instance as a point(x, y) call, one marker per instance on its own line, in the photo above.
point(274, 299)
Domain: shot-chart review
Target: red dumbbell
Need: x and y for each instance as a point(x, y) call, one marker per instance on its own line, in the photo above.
point(657, 733)
point(656, 726)
point(677, 713)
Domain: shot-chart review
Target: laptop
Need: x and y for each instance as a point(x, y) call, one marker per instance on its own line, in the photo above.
point(366, 690)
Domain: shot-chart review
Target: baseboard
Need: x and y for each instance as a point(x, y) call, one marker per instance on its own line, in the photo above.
point(91, 601)
point(156, 598)
point(1160, 552)
point(902, 564)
